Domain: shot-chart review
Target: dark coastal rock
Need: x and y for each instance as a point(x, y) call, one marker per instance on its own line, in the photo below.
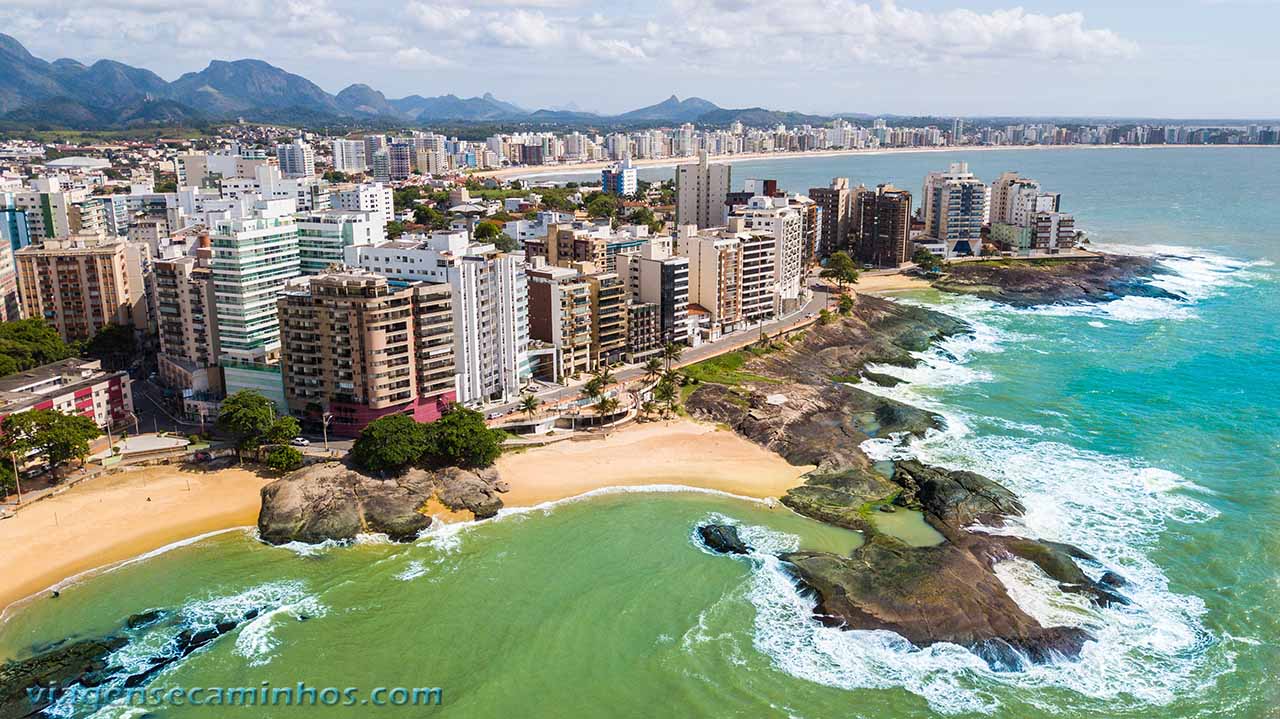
point(884, 380)
point(61, 666)
point(722, 538)
point(953, 500)
point(142, 619)
point(332, 501)
point(928, 595)
point(1030, 282)
point(943, 593)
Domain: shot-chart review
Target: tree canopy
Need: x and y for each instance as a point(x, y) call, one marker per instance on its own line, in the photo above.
point(284, 458)
point(115, 345)
point(282, 430)
point(389, 443)
point(841, 268)
point(52, 435)
point(29, 343)
point(926, 260)
point(247, 415)
point(460, 438)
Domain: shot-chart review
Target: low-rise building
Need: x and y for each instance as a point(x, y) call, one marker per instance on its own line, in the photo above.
point(71, 386)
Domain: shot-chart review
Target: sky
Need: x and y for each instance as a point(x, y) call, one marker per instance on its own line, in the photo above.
point(1180, 59)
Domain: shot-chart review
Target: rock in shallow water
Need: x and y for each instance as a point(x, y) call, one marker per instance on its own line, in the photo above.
point(723, 538)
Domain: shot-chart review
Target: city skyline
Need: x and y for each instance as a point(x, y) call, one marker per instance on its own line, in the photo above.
point(920, 58)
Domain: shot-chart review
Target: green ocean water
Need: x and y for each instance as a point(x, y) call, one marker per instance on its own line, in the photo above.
point(1144, 430)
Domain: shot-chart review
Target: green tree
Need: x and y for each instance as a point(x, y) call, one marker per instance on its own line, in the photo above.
point(505, 243)
point(841, 268)
point(602, 206)
point(666, 394)
point(247, 415)
point(392, 443)
point(430, 216)
point(671, 353)
point(52, 435)
point(282, 430)
point(486, 231)
point(846, 305)
point(825, 317)
point(926, 260)
point(460, 438)
point(395, 228)
point(29, 343)
point(335, 176)
point(607, 406)
point(529, 404)
point(652, 367)
point(114, 345)
point(284, 458)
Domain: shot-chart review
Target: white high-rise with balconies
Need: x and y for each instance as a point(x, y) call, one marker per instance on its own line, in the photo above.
point(349, 156)
point(297, 159)
point(490, 304)
point(775, 217)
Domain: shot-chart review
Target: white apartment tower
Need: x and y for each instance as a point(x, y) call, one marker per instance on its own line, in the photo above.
point(349, 156)
point(955, 206)
point(297, 159)
point(490, 304)
point(773, 216)
point(375, 198)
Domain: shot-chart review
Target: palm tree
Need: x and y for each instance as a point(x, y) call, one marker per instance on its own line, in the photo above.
point(606, 406)
point(647, 408)
point(673, 377)
point(529, 404)
point(671, 353)
point(652, 368)
point(605, 375)
point(666, 394)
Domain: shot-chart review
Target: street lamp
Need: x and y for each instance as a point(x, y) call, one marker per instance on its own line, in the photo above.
point(17, 480)
point(326, 418)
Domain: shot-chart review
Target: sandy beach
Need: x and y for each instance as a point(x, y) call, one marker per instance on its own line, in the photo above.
point(678, 451)
point(108, 520)
point(587, 168)
point(883, 284)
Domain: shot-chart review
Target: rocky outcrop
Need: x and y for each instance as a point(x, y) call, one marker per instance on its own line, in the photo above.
point(332, 501)
point(61, 666)
point(1027, 282)
point(943, 593)
point(722, 538)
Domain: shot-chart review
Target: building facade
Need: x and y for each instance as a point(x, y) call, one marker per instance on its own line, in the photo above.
point(81, 284)
point(701, 189)
point(883, 222)
point(354, 348)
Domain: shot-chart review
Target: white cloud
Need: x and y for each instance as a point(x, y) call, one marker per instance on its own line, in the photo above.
point(522, 28)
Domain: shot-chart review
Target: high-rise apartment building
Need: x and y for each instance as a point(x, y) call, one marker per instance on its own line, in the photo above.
point(253, 258)
point(701, 189)
point(653, 275)
point(835, 207)
point(490, 300)
point(356, 347)
point(324, 236)
point(609, 298)
point(349, 156)
point(955, 207)
point(619, 178)
point(297, 159)
point(560, 315)
point(715, 274)
point(185, 321)
point(81, 284)
point(373, 197)
point(773, 216)
point(883, 227)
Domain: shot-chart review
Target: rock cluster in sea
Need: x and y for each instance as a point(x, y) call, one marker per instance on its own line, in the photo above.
point(1030, 282)
point(944, 593)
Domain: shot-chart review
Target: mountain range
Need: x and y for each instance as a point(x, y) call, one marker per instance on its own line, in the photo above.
point(109, 94)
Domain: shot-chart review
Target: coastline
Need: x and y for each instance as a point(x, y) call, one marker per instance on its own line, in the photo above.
point(99, 523)
point(590, 168)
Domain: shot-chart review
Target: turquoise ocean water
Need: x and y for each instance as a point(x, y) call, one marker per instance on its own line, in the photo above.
point(1146, 431)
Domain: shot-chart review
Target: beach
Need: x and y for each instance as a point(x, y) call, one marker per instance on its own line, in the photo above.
point(677, 451)
point(877, 284)
point(117, 517)
point(104, 521)
point(588, 168)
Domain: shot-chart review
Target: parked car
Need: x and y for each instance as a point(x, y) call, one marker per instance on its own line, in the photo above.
point(495, 415)
point(300, 442)
point(33, 472)
point(203, 456)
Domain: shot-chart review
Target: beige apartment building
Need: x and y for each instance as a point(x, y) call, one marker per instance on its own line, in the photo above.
point(185, 322)
point(82, 283)
point(560, 315)
point(715, 274)
point(608, 318)
point(355, 348)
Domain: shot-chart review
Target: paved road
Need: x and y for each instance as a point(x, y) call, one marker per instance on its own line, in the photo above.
point(821, 297)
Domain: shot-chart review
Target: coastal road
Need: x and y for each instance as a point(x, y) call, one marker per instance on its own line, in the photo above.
point(821, 296)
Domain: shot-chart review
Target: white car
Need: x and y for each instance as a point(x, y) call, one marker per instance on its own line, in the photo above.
point(300, 442)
